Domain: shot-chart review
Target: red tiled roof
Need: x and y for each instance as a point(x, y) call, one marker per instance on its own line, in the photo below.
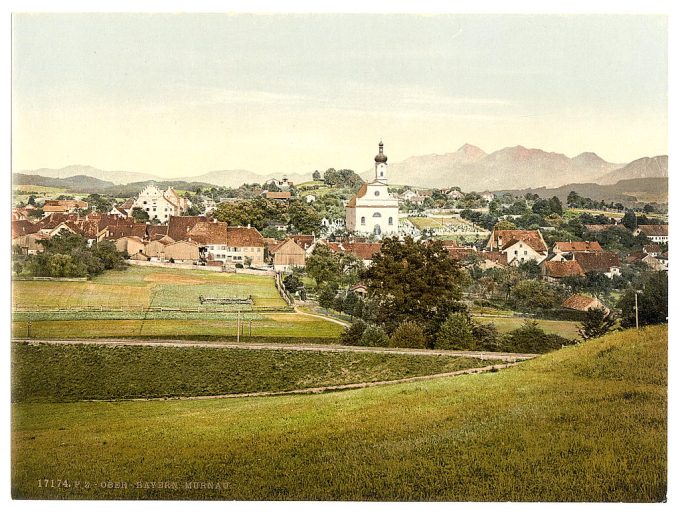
point(304, 240)
point(531, 238)
point(113, 232)
point(362, 191)
point(278, 194)
point(23, 227)
point(597, 261)
point(652, 248)
point(156, 231)
point(577, 246)
point(559, 269)
point(179, 226)
point(220, 233)
point(580, 302)
point(363, 251)
point(653, 230)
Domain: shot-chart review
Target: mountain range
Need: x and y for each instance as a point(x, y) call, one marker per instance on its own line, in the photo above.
point(517, 167)
point(470, 168)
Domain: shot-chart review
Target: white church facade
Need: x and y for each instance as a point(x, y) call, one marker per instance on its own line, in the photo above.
point(373, 211)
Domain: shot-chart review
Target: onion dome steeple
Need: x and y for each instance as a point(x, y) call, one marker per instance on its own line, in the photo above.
point(380, 158)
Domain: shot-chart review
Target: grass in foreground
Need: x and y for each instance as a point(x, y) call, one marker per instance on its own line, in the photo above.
point(71, 373)
point(586, 423)
point(273, 325)
point(565, 328)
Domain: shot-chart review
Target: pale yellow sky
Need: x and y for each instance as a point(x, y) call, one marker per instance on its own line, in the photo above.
point(183, 95)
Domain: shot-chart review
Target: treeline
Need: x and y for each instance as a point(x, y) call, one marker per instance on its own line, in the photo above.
point(68, 255)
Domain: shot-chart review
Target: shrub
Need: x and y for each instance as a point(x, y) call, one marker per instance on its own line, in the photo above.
point(530, 338)
point(455, 333)
point(598, 323)
point(352, 334)
point(486, 336)
point(374, 336)
point(409, 334)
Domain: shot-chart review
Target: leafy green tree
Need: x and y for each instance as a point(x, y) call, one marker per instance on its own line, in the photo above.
point(629, 220)
point(352, 335)
point(292, 282)
point(374, 336)
point(504, 225)
point(530, 338)
point(31, 200)
point(598, 322)
point(652, 301)
point(304, 217)
point(486, 336)
point(409, 334)
point(140, 215)
point(456, 333)
point(258, 212)
point(530, 269)
point(533, 294)
point(416, 281)
point(323, 265)
point(327, 294)
point(316, 176)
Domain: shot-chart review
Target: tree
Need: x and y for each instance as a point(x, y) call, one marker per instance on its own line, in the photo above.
point(316, 176)
point(416, 281)
point(629, 220)
point(530, 269)
point(504, 225)
point(409, 334)
point(292, 282)
point(532, 294)
point(323, 265)
point(374, 336)
point(530, 338)
point(304, 217)
point(598, 322)
point(652, 301)
point(352, 335)
point(486, 336)
point(456, 333)
point(327, 295)
point(31, 200)
point(140, 215)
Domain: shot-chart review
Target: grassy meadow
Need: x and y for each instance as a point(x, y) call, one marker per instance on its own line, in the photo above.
point(586, 423)
point(565, 328)
point(140, 287)
point(84, 372)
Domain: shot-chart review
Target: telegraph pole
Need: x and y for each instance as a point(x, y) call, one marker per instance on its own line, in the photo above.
point(637, 323)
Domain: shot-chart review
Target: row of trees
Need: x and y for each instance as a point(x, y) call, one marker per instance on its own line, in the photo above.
point(69, 255)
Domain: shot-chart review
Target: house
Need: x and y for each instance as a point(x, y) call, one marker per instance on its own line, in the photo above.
point(23, 227)
point(607, 263)
point(53, 228)
point(553, 271)
point(518, 245)
point(359, 289)
point(373, 210)
point(362, 250)
point(118, 212)
point(139, 256)
point(655, 233)
point(130, 244)
point(155, 250)
point(566, 247)
point(114, 232)
point(63, 206)
point(454, 194)
point(179, 226)
point(487, 196)
point(653, 249)
point(654, 262)
point(284, 184)
point(160, 204)
point(583, 303)
point(310, 198)
point(287, 255)
point(29, 244)
point(278, 195)
point(306, 241)
point(219, 242)
point(182, 252)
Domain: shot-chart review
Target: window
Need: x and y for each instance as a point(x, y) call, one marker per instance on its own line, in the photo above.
point(525, 252)
point(389, 220)
point(363, 220)
point(377, 193)
point(377, 215)
point(515, 253)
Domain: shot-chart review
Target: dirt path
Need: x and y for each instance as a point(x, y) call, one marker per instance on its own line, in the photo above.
point(320, 389)
point(329, 319)
point(503, 356)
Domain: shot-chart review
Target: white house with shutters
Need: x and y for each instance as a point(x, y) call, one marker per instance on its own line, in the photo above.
point(161, 204)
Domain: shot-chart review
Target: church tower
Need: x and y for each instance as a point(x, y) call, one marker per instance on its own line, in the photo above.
point(381, 165)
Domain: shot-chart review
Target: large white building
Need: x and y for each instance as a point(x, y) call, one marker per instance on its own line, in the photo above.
point(373, 210)
point(161, 204)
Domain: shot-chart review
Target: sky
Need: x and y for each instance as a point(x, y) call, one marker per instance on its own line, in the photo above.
point(183, 94)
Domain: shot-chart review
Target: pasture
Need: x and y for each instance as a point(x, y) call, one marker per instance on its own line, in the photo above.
point(71, 373)
point(565, 328)
point(141, 287)
point(585, 423)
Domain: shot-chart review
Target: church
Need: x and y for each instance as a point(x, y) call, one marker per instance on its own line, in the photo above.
point(373, 211)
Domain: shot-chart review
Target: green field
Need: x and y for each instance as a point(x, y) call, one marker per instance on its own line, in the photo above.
point(271, 325)
point(586, 423)
point(565, 328)
point(140, 287)
point(79, 372)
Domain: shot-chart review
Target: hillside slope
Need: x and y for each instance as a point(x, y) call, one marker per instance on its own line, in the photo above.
point(587, 423)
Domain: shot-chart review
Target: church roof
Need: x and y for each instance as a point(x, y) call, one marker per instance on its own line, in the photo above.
point(360, 194)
